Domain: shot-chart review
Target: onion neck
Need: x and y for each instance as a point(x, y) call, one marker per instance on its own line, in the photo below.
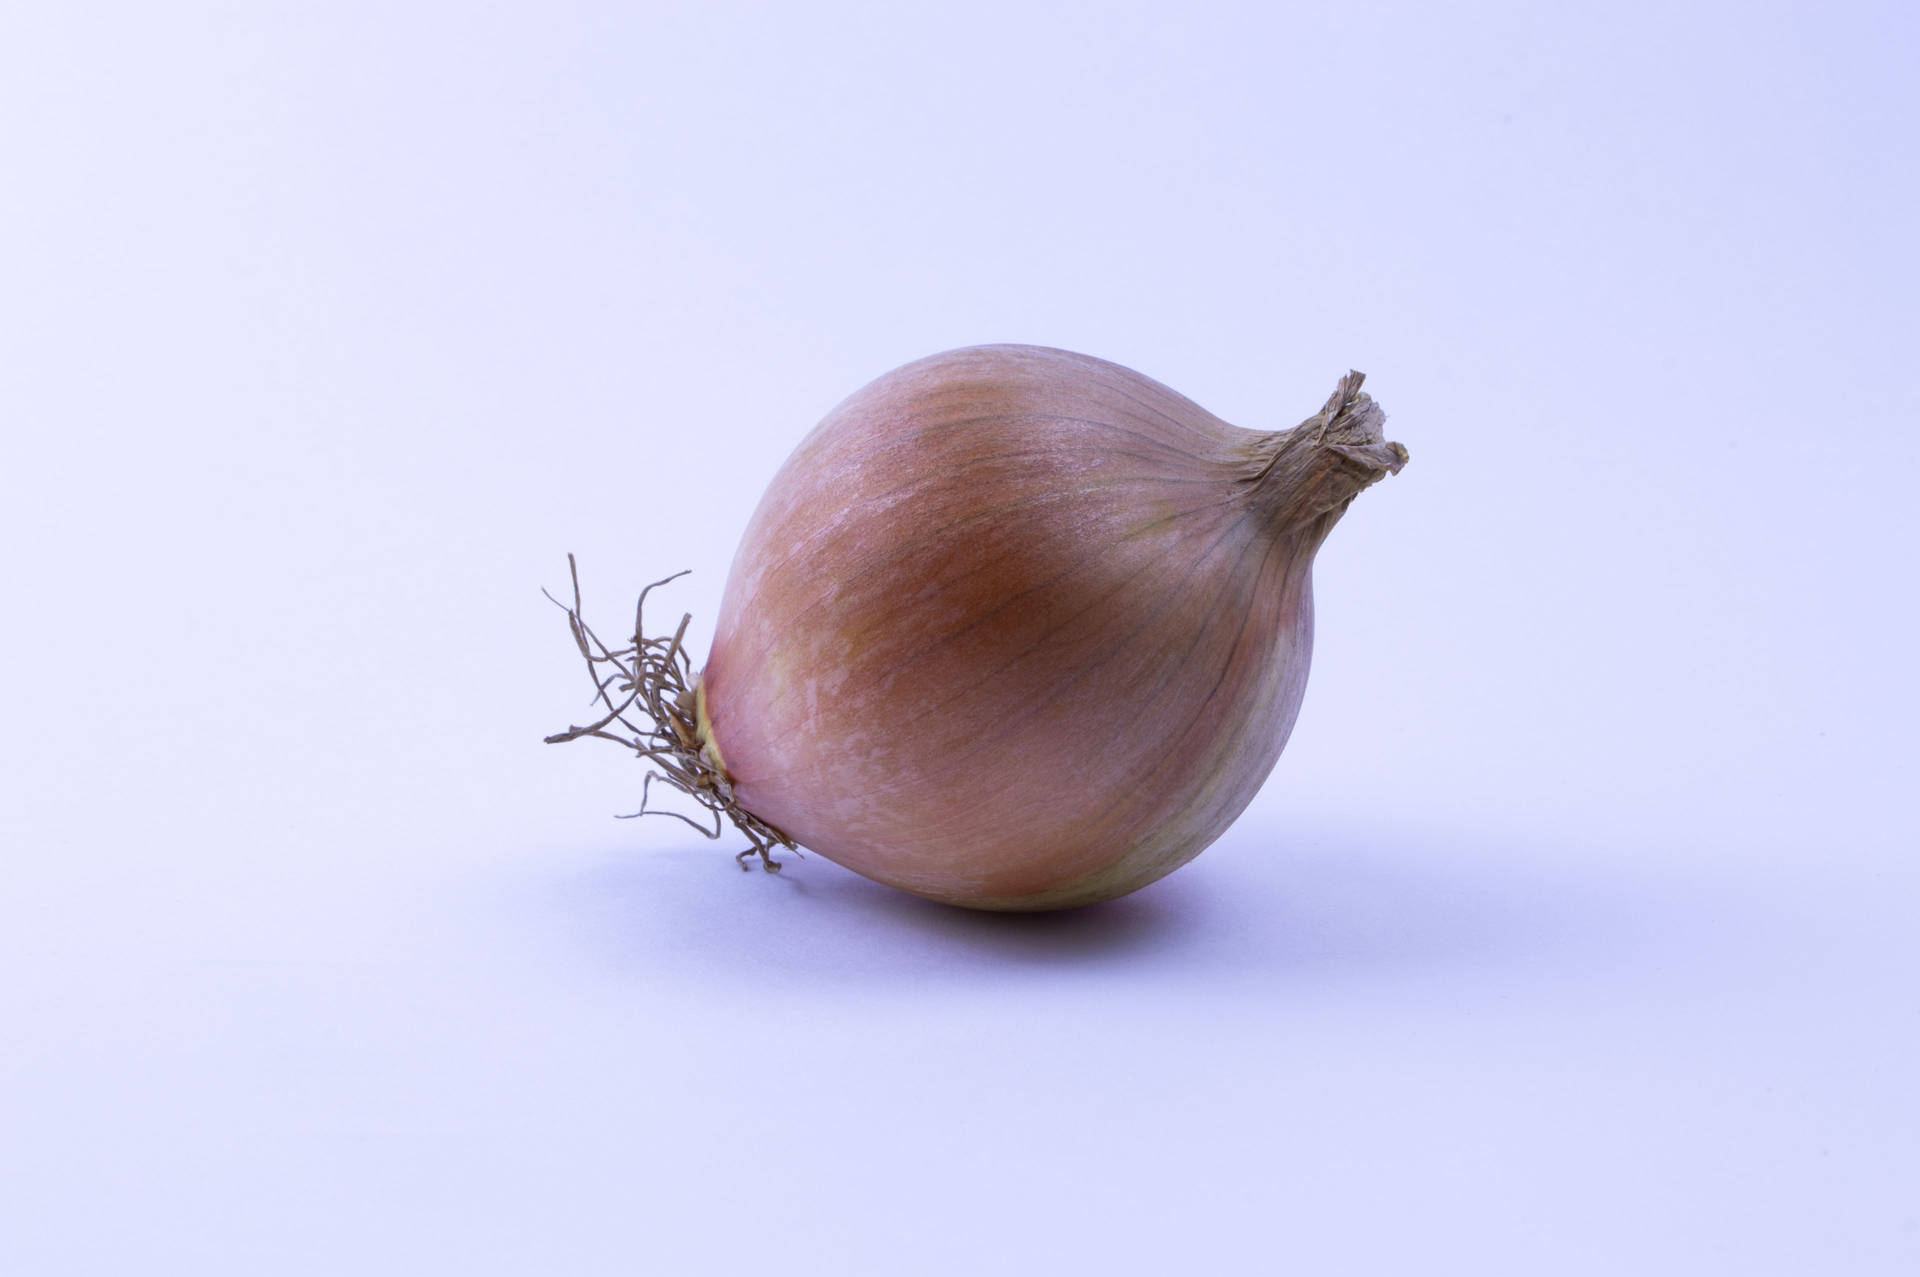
point(1308, 475)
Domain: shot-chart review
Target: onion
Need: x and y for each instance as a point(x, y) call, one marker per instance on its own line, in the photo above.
point(1013, 628)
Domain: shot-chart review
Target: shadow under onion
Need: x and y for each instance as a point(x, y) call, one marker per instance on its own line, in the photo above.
point(1365, 905)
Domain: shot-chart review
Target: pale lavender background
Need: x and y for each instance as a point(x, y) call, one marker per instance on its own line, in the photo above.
point(1577, 932)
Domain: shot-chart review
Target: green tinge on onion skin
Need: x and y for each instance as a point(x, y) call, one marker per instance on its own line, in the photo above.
point(1021, 629)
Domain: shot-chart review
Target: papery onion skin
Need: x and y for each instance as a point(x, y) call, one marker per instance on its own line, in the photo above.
point(1021, 629)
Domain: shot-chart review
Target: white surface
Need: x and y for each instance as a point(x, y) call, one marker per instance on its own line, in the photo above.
point(1575, 934)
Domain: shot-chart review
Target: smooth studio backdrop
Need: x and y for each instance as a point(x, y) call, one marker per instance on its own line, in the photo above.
point(1575, 933)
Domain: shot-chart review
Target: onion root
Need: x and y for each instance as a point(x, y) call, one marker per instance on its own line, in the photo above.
point(647, 691)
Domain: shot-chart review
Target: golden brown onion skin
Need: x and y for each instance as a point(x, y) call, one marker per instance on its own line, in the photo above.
point(1021, 629)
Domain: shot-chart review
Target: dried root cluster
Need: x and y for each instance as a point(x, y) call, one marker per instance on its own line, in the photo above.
point(646, 690)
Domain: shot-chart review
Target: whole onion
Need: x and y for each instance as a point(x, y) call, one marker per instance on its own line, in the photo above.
point(1013, 628)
